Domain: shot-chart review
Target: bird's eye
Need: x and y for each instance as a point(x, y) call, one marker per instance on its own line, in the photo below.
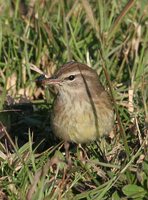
point(71, 77)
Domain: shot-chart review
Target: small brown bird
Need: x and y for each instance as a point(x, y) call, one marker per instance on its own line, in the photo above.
point(82, 110)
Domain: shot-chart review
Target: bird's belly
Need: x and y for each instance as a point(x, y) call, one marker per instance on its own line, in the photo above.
point(78, 128)
point(82, 126)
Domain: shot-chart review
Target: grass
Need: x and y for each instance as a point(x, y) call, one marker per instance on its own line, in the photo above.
point(112, 38)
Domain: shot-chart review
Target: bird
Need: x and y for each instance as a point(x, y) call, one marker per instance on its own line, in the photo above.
point(82, 109)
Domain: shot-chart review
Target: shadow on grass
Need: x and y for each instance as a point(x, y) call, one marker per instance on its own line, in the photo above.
point(22, 119)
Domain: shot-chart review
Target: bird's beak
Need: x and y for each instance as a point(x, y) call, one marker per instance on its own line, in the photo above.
point(51, 81)
point(48, 81)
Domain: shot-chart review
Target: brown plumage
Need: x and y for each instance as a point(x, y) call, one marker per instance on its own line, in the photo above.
point(82, 109)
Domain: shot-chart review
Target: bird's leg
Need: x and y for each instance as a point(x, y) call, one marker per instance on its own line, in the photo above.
point(68, 157)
